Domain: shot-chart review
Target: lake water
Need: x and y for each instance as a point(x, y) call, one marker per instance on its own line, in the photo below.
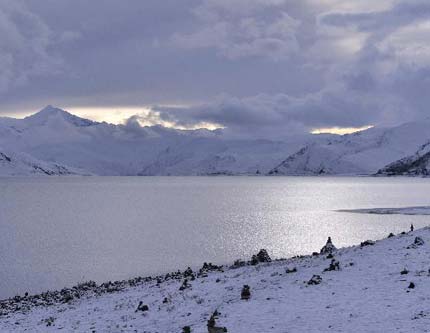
point(55, 232)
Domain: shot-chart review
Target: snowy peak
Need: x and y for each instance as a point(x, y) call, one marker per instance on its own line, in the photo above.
point(51, 113)
point(56, 136)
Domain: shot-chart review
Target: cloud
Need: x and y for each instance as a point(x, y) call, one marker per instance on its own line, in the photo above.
point(392, 63)
point(257, 67)
point(24, 46)
point(376, 69)
point(274, 116)
point(237, 29)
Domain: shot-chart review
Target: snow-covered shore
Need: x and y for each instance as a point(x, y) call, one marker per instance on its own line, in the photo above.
point(379, 287)
point(420, 210)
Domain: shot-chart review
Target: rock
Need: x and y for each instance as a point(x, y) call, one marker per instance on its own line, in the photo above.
point(334, 266)
point(142, 307)
point(316, 279)
point(417, 242)
point(261, 256)
point(49, 321)
point(238, 263)
point(186, 329)
point(404, 271)
point(390, 235)
point(367, 243)
point(208, 267)
point(411, 285)
point(328, 247)
point(246, 292)
point(217, 329)
point(185, 285)
point(291, 270)
point(188, 272)
point(67, 298)
point(212, 322)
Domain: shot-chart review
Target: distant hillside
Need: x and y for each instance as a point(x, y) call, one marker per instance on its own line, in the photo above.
point(364, 152)
point(20, 164)
point(56, 136)
point(417, 164)
point(58, 142)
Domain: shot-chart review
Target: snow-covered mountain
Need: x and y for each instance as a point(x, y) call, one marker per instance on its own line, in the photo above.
point(58, 137)
point(364, 152)
point(62, 143)
point(21, 164)
point(417, 164)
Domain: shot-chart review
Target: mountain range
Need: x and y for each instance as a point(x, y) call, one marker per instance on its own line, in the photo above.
point(55, 142)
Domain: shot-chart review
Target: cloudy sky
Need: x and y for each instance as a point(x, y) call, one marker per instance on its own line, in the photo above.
point(260, 67)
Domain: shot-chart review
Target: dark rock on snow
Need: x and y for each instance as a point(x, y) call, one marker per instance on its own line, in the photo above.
point(316, 279)
point(246, 292)
point(261, 256)
point(367, 243)
point(142, 307)
point(328, 247)
point(417, 242)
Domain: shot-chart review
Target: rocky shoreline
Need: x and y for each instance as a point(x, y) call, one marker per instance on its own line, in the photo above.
point(24, 303)
point(299, 292)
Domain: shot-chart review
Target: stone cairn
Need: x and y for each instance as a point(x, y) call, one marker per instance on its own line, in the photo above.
point(328, 248)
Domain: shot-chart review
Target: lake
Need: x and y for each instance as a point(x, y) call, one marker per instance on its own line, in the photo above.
point(56, 232)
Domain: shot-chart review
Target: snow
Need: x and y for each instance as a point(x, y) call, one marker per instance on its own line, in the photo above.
point(21, 164)
point(371, 292)
point(422, 210)
point(417, 164)
point(56, 136)
point(364, 152)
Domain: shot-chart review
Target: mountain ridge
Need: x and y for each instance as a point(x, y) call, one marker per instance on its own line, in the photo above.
point(362, 153)
point(57, 137)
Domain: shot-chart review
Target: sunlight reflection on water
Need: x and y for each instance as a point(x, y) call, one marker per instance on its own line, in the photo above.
point(58, 231)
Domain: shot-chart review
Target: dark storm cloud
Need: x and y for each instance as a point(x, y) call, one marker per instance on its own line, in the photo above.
point(24, 45)
point(254, 66)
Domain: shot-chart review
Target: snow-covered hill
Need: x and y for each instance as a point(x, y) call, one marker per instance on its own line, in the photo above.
point(417, 164)
point(56, 136)
point(381, 286)
point(364, 152)
point(21, 164)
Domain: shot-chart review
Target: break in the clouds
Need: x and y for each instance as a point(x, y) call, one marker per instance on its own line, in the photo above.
point(256, 67)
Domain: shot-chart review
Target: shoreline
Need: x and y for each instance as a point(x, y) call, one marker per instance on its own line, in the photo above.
point(299, 292)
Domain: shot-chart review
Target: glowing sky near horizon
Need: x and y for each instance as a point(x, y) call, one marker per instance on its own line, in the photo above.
point(119, 115)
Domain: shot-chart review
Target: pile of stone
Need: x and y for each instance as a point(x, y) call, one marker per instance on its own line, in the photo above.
point(328, 248)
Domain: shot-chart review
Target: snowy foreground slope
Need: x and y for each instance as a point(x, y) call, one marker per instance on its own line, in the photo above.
point(381, 286)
